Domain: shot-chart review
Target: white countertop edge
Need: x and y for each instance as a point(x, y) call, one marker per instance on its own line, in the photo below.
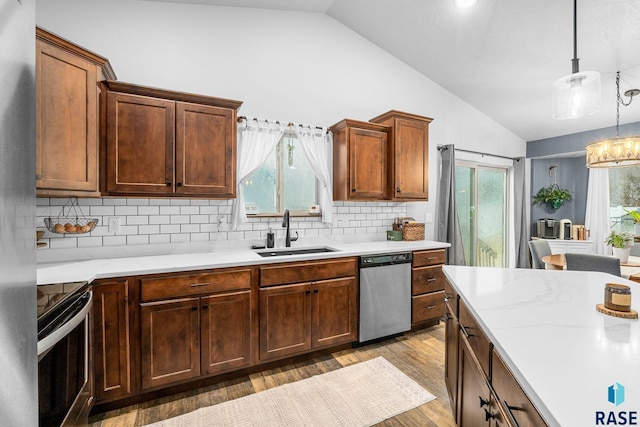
point(89, 270)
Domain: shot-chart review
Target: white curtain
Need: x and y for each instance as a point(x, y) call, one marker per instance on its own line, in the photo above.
point(596, 218)
point(316, 144)
point(256, 141)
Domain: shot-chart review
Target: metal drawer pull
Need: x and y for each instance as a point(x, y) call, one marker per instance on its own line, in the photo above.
point(433, 279)
point(465, 332)
point(431, 306)
point(488, 415)
point(195, 285)
point(432, 258)
point(483, 402)
point(512, 419)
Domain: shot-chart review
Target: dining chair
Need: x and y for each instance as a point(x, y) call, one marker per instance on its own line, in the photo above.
point(593, 262)
point(539, 248)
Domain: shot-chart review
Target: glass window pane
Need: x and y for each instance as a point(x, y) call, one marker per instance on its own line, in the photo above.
point(491, 217)
point(299, 180)
point(624, 193)
point(465, 201)
point(260, 188)
point(290, 174)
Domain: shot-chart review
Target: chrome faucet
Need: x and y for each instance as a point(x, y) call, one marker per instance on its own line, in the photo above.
point(285, 223)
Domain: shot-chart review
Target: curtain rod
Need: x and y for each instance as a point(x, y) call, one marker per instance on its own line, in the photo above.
point(445, 147)
point(240, 118)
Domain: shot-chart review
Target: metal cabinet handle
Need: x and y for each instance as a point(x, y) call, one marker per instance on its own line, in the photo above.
point(465, 332)
point(206, 306)
point(483, 402)
point(179, 184)
point(488, 415)
point(195, 285)
point(168, 183)
point(512, 419)
point(431, 307)
point(194, 308)
point(398, 190)
point(432, 279)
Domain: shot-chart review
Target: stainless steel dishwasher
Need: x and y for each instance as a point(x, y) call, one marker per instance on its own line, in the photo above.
point(385, 295)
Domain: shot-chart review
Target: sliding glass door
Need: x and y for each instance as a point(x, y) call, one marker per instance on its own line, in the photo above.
point(481, 197)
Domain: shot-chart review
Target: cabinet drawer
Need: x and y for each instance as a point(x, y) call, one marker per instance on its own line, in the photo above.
point(176, 286)
point(298, 272)
point(427, 307)
point(427, 279)
point(425, 258)
point(477, 339)
point(451, 297)
point(514, 401)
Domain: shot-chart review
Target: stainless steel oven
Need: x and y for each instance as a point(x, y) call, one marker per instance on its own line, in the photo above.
point(64, 396)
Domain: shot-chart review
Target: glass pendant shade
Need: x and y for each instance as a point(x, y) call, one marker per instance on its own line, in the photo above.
point(576, 95)
point(616, 152)
point(465, 4)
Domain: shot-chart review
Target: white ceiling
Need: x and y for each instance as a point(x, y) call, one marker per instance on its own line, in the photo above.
point(502, 56)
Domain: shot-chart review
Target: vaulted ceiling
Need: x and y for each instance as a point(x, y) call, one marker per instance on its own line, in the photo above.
point(502, 56)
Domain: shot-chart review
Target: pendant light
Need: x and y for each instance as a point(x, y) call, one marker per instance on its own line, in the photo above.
point(465, 4)
point(577, 94)
point(616, 152)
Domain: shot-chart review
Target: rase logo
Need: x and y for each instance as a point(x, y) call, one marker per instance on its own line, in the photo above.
point(615, 396)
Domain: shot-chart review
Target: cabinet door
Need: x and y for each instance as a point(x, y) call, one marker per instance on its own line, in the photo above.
point(334, 311)
point(451, 357)
point(475, 395)
point(367, 164)
point(205, 150)
point(170, 341)
point(111, 353)
point(66, 123)
point(285, 320)
point(226, 332)
point(411, 160)
point(139, 144)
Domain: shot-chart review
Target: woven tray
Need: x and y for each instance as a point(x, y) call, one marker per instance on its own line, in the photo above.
point(413, 231)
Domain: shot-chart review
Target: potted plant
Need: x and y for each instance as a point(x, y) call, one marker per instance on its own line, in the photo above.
point(635, 216)
point(553, 196)
point(620, 244)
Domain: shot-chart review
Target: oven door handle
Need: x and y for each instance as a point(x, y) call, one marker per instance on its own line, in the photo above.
point(46, 343)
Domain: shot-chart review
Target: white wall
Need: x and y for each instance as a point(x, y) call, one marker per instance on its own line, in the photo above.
point(289, 66)
point(18, 330)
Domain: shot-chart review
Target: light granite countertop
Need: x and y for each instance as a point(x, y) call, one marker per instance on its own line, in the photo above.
point(564, 353)
point(97, 268)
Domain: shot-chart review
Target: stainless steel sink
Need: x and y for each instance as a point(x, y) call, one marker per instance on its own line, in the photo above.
point(300, 251)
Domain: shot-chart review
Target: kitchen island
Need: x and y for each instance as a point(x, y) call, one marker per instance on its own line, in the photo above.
point(572, 362)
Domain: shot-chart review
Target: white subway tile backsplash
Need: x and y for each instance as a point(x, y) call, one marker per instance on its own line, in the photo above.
point(169, 210)
point(161, 221)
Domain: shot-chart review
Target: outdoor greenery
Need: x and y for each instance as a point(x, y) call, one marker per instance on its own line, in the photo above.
point(553, 196)
point(635, 216)
point(625, 190)
point(618, 240)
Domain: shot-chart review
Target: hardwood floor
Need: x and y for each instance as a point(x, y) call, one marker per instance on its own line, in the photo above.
point(420, 355)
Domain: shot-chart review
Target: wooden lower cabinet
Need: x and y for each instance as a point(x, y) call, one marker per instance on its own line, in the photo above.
point(111, 351)
point(299, 314)
point(427, 288)
point(170, 341)
point(190, 337)
point(483, 390)
point(301, 317)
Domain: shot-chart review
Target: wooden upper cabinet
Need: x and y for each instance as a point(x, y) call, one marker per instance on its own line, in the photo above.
point(67, 117)
point(360, 160)
point(409, 159)
point(158, 142)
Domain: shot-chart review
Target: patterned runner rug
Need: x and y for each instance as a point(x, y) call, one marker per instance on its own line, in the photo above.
point(362, 394)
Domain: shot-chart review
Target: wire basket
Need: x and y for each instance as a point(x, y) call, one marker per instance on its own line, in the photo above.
point(71, 220)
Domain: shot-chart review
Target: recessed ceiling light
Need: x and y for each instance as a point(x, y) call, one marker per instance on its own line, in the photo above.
point(465, 4)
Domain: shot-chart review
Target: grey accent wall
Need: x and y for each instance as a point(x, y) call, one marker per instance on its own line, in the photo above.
point(572, 175)
point(18, 364)
point(576, 142)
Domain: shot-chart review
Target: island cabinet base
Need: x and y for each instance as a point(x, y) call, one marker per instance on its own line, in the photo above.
point(482, 388)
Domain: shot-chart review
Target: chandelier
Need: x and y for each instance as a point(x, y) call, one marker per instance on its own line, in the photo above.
point(616, 152)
